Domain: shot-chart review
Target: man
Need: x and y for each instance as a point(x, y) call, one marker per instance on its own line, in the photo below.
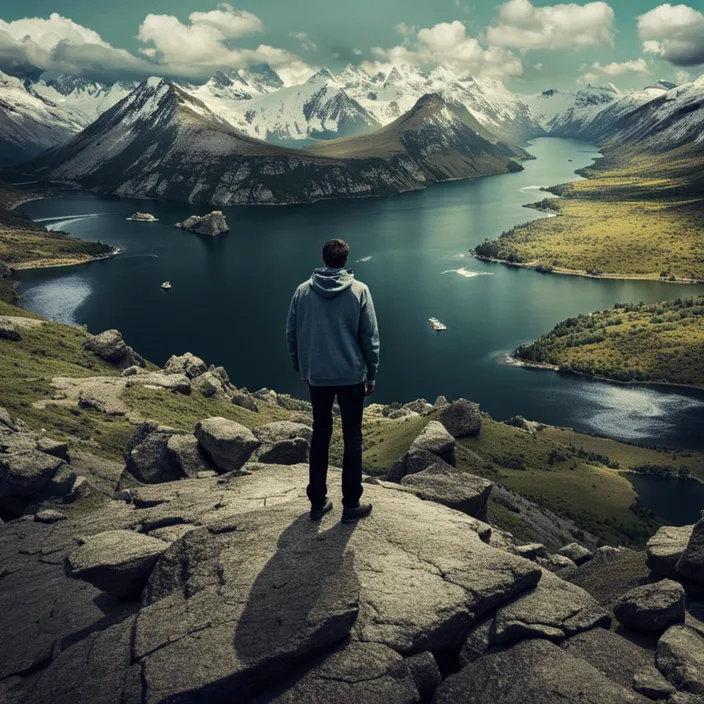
point(333, 341)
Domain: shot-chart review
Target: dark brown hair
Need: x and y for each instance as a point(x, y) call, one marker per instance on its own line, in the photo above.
point(335, 253)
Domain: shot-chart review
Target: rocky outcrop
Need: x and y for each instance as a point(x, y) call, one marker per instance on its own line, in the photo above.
point(148, 458)
point(111, 347)
point(8, 331)
point(143, 217)
point(410, 462)
point(212, 224)
point(292, 451)
point(680, 658)
point(187, 364)
point(118, 562)
point(532, 671)
point(455, 489)
point(652, 608)
point(228, 444)
point(665, 548)
point(282, 430)
point(462, 419)
point(434, 438)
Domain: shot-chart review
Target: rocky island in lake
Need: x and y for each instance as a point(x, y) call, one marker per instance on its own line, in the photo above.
point(212, 224)
point(144, 217)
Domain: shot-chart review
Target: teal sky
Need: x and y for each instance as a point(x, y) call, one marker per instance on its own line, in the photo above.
point(338, 31)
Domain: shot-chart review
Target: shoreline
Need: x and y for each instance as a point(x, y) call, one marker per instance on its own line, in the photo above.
point(533, 266)
point(513, 360)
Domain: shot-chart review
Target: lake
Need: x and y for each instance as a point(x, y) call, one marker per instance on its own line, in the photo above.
point(678, 502)
point(230, 295)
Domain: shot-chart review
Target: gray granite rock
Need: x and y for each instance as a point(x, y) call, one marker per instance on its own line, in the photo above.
point(8, 331)
point(462, 419)
point(531, 551)
point(282, 430)
point(292, 451)
point(680, 657)
point(187, 364)
point(532, 671)
point(652, 608)
point(54, 447)
point(425, 673)
point(110, 346)
point(118, 562)
point(453, 488)
point(147, 455)
point(434, 438)
point(228, 444)
point(179, 383)
point(576, 552)
point(187, 456)
point(651, 683)
point(665, 548)
point(691, 562)
point(207, 384)
point(411, 462)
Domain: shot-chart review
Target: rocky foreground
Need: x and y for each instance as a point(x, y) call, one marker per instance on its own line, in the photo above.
point(191, 573)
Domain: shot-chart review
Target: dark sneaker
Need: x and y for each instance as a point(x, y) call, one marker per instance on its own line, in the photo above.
point(350, 515)
point(317, 512)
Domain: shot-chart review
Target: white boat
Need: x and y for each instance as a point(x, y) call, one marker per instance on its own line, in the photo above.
point(437, 325)
point(166, 284)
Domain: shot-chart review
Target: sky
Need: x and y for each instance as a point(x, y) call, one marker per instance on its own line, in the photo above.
point(530, 45)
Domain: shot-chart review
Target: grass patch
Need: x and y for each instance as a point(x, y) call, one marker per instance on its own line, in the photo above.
point(657, 342)
point(639, 217)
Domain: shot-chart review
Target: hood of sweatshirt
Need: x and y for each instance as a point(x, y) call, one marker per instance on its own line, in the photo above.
point(329, 281)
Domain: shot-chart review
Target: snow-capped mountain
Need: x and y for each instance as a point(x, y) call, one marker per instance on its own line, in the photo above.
point(317, 109)
point(82, 100)
point(29, 122)
point(499, 111)
point(673, 119)
point(569, 114)
point(161, 142)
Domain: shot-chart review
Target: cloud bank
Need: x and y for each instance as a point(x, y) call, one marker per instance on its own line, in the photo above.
point(675, 33)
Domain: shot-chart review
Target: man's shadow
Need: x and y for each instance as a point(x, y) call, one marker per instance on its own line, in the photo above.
point(306, 594)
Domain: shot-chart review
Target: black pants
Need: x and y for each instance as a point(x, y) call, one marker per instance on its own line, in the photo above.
point(351, 402)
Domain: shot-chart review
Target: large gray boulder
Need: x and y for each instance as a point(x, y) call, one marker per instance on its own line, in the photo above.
point(207, 384)
point(187, 364)
point(293, 451)
point(411, 462)
point(650, 682)
point(24, 474)
point(228, 444)
point(680, 657)
point(462, 419)
point(110, 346)
point(652, 608)
point(576, 552)
point(118, 562)
point(435, 438)
point(665, 548)
point(455, 489)
point(147, 455)
point(187, 455)
point(691, 563)
point(532, 671)
point(282, 430)
point(554, 610)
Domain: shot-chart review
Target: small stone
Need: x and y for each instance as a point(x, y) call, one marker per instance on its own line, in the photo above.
point(576, 552)
point(532, 551)
point(652, 684)
point(652, 608)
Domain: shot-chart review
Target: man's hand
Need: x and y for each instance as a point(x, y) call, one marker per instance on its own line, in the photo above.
point(369, 387)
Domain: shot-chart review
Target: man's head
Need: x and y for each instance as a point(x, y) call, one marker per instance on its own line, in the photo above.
point(335, 253)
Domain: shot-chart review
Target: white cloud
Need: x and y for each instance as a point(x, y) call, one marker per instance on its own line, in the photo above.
point(447, 44)
point(306, 42)
point(192, 50)
point(565, 26)
point(598, 72)
point(357, 52)
point(683, 77)
point(674, 32)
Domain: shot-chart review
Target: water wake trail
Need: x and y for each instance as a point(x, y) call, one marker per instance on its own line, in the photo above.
point(466, 273)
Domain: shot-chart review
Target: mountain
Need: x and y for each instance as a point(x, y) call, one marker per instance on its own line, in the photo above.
point(82, 100)
point(161, 142)
point(671, 120)
point(29, 123)
point(317, 109)
point(500, 112)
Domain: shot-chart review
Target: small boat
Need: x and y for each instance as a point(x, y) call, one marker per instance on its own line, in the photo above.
point(436, 324)
point(166, 285)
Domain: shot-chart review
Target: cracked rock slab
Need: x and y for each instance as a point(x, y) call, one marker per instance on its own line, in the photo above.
point(665, 548)
point(680, 657)
point(532, 671)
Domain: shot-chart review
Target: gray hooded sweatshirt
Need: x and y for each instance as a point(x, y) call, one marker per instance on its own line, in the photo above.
point(332, 333)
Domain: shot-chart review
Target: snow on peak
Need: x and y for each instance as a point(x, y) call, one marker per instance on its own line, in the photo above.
point(154, 81)
point(321, 76)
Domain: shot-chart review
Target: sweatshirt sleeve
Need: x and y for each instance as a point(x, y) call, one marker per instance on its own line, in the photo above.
point(291, 332)
point(368, 336)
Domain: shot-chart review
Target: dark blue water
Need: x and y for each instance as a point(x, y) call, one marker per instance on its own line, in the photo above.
point(678, 502)
point(230, 295)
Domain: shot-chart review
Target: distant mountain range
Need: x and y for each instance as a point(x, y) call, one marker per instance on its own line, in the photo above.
point(259, 115)
point(162, 142)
